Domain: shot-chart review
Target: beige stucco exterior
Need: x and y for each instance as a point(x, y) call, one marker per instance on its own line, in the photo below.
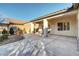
point(70, 17)
point(37, 26)
point(73, 25)
point(27, 27)
point(50, 22)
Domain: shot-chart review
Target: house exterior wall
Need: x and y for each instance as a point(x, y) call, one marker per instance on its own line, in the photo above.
point(70, 17)
point(52, 25)
point(33, 27)
point(73, 25)
point(27, 27)
point(22, 27)
point(18, 26)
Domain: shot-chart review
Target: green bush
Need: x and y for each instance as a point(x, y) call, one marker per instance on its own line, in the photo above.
point(4, 35)
point(4, 31)
point(11, 31)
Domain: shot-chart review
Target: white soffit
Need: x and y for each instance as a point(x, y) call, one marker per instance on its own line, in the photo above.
point(64, 14)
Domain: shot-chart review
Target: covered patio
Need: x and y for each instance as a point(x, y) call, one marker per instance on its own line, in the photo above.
point(63, 23)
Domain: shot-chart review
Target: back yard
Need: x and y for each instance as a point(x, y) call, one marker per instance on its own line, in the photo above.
point(34, 45)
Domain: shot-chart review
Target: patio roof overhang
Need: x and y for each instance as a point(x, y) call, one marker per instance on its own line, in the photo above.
point(58, 14)
point(71, 13)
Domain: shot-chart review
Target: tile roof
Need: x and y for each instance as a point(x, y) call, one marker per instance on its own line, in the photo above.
point(14, 21)
point(11, 21)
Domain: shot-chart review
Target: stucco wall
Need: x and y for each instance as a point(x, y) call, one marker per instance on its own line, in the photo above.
point(27, 27)
point(18, 26)
point(73, 25)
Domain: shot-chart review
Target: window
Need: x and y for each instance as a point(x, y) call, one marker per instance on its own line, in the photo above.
point(14, 28)
point(68, 26)
point(62, 26)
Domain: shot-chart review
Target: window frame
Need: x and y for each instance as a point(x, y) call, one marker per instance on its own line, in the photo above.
point(64, 28)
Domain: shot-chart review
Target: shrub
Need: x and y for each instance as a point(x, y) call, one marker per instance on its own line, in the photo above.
point(4, 31)
point(4, 35)
point(11, 31)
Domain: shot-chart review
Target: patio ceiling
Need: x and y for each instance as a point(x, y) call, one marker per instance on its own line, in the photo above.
point(67, 14)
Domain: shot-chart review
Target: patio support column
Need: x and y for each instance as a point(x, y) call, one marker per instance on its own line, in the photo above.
point(45, 27)
point(78, 30)
point(32, 27)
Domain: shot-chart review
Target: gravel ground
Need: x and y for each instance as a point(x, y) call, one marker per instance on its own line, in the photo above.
point(12, 38)
point(34, 45)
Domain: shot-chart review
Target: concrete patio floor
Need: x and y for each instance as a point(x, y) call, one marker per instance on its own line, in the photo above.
point(61, 45)
point(34, 45)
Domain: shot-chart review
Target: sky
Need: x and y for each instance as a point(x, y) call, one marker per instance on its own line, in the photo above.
point(30, 11)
